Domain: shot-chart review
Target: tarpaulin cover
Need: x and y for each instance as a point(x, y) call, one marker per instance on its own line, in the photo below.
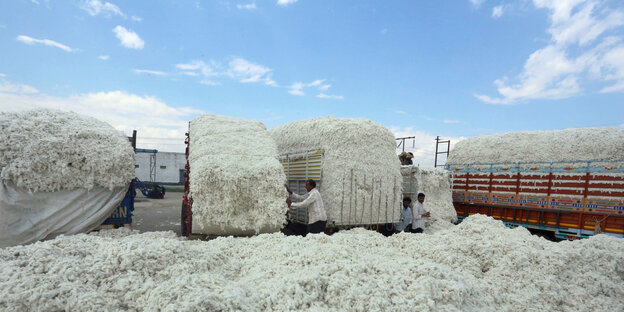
point(26, 217)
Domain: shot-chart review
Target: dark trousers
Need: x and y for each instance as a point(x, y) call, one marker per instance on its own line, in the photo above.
point(317, 227)
point(417, 230)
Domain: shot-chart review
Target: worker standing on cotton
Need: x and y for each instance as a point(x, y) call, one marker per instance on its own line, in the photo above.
point(317, 218)
point(406, 215)
point(418, 213)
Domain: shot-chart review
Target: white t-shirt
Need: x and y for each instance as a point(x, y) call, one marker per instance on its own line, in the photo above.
point(417, 219)
point(314, 202)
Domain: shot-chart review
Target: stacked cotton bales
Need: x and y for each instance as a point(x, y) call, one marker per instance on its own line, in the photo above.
point(435, 183)
point(62, 173)
point(541, 146)
point(361, 178)
point(236, 180)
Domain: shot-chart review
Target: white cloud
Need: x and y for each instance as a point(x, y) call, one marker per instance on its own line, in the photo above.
point(297, 89)
point(104, 57)
point(401, 112)
point(8, 87)
point(383, 31)
point(423, 145)
point(210, 83)
point(329, 96)
point(31, 41)
point(450, 121)
point(250, 6)
point(150, 116)
point(579, 21)
point(477, 3)
point(2, 75)
point(497, 11)
point(285, 2)
point(97, 7)
point(150, 72)
point(613, 64)
point(128, 38)
point(208, 70)
point(576, 54)
point(245, 71)
point(136, 18)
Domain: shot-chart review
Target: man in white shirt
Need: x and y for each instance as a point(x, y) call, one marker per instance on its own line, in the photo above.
point(406, 215)
point(418, 213)
point(317, 218)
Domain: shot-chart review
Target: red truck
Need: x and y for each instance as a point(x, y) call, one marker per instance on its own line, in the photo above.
point(568, 200)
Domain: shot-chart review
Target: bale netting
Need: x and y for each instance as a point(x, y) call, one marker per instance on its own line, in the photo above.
point(541, 146)
point(435, 183)
point(236, 180)
point(49, 150)
point(361, 178)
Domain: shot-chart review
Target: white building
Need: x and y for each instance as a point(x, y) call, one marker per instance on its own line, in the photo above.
point(160, 167)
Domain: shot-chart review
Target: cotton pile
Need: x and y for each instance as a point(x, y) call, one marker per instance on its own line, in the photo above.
point(48, 150)
point(479, 265)
point(435, 183)
point(236, 180)
point(541, 146)
point(361, 178)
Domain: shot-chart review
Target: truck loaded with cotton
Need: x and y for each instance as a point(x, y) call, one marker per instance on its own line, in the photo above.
point(233, 257)
point(569, 183)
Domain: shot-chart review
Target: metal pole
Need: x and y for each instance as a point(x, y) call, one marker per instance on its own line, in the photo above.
point(355, 204)
point(350, 196)
point(370, 216)
point(342, 200)
point(363, 202)
point(379, 204)
point(435, 162)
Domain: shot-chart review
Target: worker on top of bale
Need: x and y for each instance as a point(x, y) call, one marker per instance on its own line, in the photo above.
point(406, 215)
point(406, 158)
point(317, 218)
point(418, 213)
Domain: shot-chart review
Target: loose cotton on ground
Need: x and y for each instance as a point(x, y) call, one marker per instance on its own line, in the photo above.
point(236, 181)
point(479, 265)
point(361, 178)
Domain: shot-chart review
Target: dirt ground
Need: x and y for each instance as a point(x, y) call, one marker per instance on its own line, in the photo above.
point(157, 214)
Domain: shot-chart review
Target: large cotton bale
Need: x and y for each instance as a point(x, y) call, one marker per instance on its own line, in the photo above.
point(541, 146)
point(361, 178)
point(236, 180)
point(62, 173)
point(49, 150)
point(435, 183)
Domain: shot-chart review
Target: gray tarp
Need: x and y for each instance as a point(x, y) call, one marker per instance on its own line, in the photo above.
point(26, 217)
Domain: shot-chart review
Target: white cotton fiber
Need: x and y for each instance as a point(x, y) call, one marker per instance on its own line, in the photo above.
point(435, 183)
point(48, 150)
point(236, 180)
point(541, 146)
point(478, 265)
point(361, 145)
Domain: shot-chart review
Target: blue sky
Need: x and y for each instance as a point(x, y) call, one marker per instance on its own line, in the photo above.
point(421, 68)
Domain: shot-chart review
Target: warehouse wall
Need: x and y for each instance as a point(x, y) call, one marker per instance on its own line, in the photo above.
point(168, 166)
